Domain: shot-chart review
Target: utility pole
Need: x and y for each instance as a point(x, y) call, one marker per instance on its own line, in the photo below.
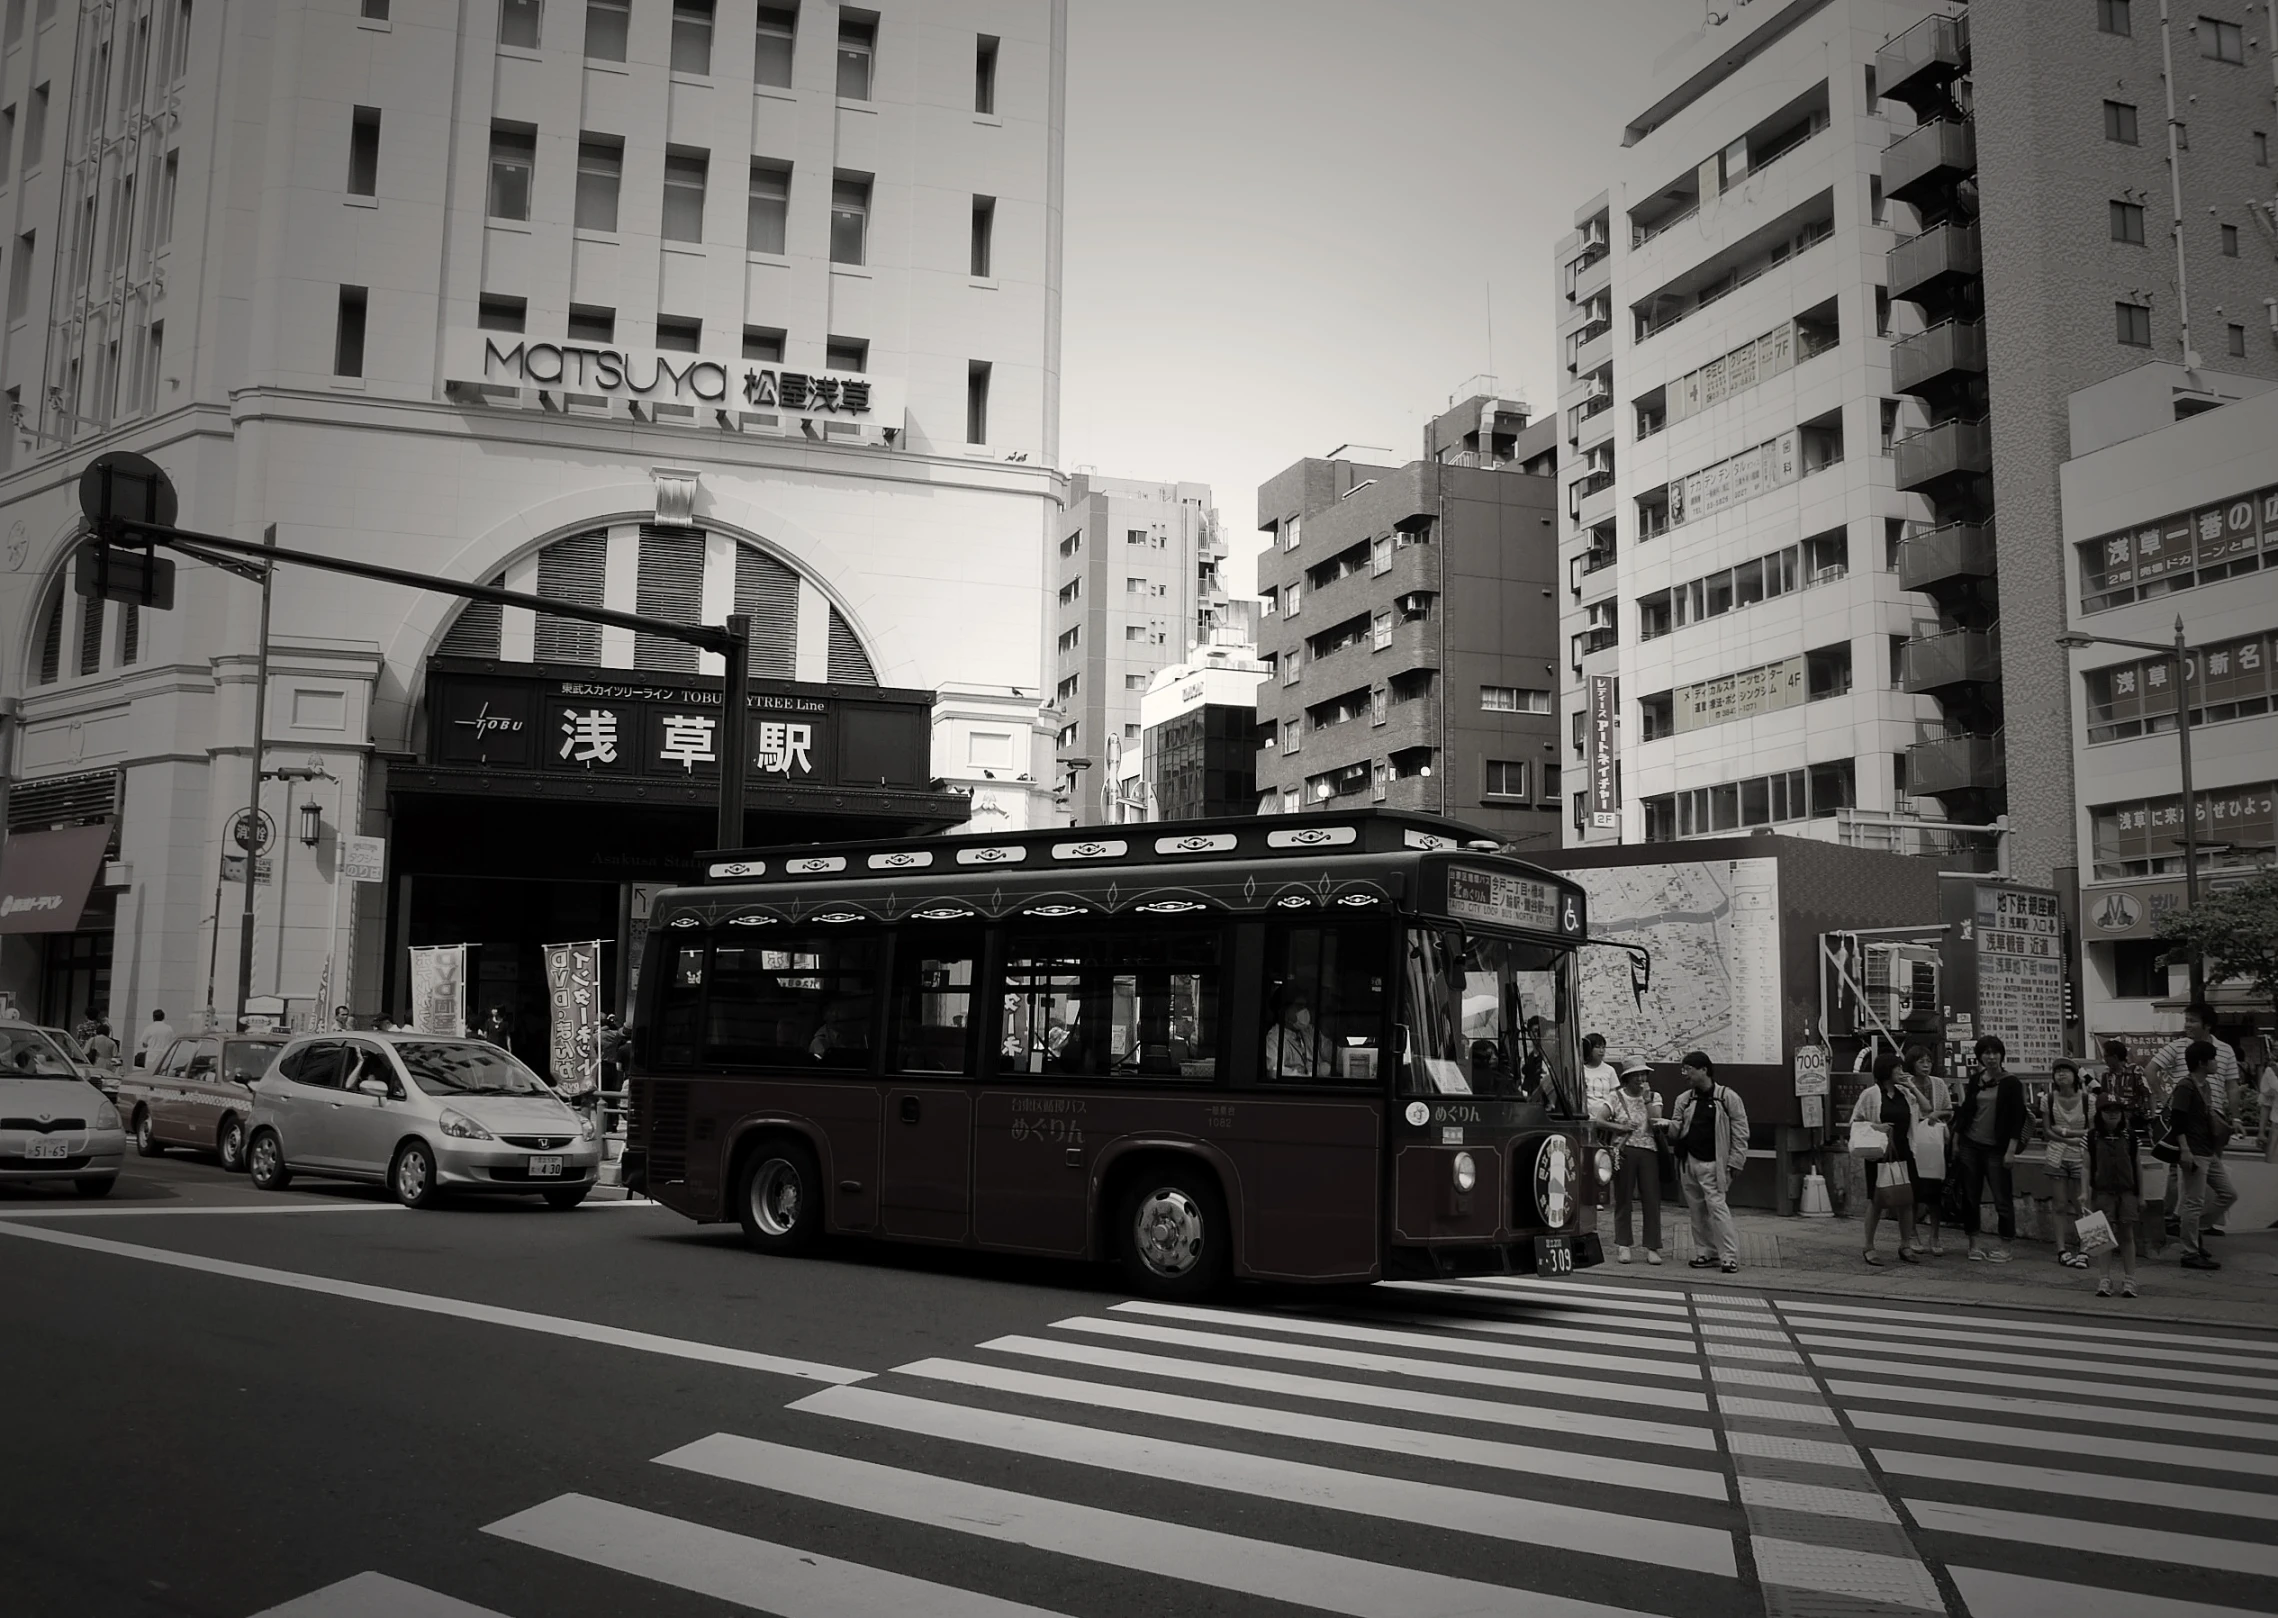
point(735, 731)
point(2190, 804)
point(253, 790)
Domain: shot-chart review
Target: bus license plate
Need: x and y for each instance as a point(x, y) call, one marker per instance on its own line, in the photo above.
point(547, 1168)
point(1554, 1255)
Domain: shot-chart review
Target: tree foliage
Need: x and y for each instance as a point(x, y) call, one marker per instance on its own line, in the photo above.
point(2235, 932)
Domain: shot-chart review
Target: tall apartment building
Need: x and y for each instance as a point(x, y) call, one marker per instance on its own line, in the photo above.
point(1138, 585)
point(2088, 191)
point(1730, 517)
point(680, 309)
point(1409, 627)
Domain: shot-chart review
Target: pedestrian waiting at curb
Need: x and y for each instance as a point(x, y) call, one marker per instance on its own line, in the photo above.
point(2166, 1071)
point(1599, 1076)
point(1989, 1130)
point(2062, 1159)
point(2115, 1186)
point(1933, 1105)
point(1883, 1104)
point(2200, 1135)
point(1632, 1118)
point(1709, 1129)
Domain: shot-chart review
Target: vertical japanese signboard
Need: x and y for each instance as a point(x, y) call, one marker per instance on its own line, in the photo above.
point(439, 989)
point(1605, 795)
point(2005, 965)
point(573, 989)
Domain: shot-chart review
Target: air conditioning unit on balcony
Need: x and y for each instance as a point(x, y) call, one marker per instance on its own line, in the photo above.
point(1594, 234)
point(1830, 573)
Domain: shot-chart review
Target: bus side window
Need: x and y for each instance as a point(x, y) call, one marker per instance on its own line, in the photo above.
point(680, 1005)
point(1044, 1003)
point(794, 1001)
point(1136, 1000)
point(936, 1029)
point(1323, 1018)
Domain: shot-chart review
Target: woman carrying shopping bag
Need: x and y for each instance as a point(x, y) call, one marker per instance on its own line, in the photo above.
point(1882, 1107)
point(1933, 1104)
point(1631, 1118)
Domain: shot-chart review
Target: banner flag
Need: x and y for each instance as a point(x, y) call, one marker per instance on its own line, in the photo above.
point(573, 986)
point(439, 989)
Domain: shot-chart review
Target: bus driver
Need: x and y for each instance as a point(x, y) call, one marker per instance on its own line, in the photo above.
point(1293, 1049)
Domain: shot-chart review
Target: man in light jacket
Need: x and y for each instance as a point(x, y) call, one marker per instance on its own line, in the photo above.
point(1709, 1129)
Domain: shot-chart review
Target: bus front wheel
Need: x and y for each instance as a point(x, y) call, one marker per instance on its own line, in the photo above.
point(1172, 1233)
point(779, 1197)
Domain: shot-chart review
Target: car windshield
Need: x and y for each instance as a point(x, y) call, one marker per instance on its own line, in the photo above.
point(70, 1046)
point(26, 1053)
point(1488, 1016)
point(452, 1068)
point(249, 1059)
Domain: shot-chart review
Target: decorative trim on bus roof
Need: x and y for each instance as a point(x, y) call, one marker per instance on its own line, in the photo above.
point(993, 854)
point(1221, 842)
point(833, 907)
point(1096, 848)
point(1410, 837)
point(730, 870)
point(901, 859)
point(814, 864)
point(1313, 837)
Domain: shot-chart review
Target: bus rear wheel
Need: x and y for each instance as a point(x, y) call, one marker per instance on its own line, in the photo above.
point(779, 1197)
point(1172, 1234)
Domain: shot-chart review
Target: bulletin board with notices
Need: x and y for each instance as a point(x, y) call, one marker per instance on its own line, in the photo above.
point(2005, 959)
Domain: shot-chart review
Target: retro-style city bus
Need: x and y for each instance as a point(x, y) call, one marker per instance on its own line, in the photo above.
point(1316, 1047)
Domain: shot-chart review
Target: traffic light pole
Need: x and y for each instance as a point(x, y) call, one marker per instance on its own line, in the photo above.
point(253, 792)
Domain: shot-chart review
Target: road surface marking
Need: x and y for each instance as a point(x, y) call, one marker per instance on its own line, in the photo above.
point(1553, 1295)
point(1988, 1594)
point(2071, 1331)
point(1920, 1343)
point(1555, 1464)
point(1275, 1572)
point(2083, 1411)
point(1374, 1395)
point(1479, 1376)
point(2072, 1535)
point(1471, 1511)
point(2115, 1383)
point(1778, 1494)
point(732, 1567)
point(128, 1212)
point(454, 1308)
point(1554, 1332)
point(375, 1595)
point(1544, 1317)
point(2079, 1487)
point(1446, 1341)
point(1908, 1424)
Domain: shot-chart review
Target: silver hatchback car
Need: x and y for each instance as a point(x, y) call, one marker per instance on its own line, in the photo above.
point(419, 1114)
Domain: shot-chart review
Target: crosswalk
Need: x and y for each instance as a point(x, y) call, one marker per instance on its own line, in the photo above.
point(1443, 1450)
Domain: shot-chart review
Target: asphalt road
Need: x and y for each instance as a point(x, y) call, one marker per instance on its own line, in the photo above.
point(322, 1406)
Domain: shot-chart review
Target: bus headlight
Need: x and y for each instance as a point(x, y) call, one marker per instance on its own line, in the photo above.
point(1466, 1172)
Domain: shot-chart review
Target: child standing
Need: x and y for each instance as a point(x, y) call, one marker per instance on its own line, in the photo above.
point(2067, 1129)
point(2115, 1185)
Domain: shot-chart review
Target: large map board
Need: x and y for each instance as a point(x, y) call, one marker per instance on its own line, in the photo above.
point(1714, 929)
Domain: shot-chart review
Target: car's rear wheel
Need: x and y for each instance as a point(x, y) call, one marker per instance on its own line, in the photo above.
point(1171, 1232)
point(95, 1185)
point(229, 1144)
point(412, 1175)
point(265, 1161)
point(779, 1197)
point(146, 1134)
point(566, 1197)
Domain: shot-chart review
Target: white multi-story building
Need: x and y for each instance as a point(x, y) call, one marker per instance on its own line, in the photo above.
point(1731, 521)
point(675, 308)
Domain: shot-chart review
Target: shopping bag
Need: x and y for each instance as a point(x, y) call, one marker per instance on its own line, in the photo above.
point(1894, 1187)
point(2095, 1233)
point(1868, 1140)
point(1929, 1143)
point(2154, 1175)
point(1892, 1174)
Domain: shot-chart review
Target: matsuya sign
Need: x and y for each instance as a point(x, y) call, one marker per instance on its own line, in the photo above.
point(604, 371)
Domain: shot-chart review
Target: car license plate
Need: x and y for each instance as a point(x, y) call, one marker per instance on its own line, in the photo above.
point(546, 1168)
point(1554, 1255)
point(47, 1148)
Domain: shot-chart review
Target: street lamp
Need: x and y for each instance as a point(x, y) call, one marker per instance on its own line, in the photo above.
point(312, 824)
point(2075, 640)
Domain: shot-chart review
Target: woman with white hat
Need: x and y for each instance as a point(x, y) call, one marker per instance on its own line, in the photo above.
point(1630, 1117)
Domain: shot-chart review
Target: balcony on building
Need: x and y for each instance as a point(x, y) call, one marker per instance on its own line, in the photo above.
point(1726, 271)
point(1919, 67)
point(1929, 664)
point(1931, 359)
point(1957, 553)
point(1924, 265)
point(1945, 765)
point(1928, 158)
point(1942, 455)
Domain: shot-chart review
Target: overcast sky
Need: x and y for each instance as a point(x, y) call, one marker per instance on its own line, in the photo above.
point(1284, 218)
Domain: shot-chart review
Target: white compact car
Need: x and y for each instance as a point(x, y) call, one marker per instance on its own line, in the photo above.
point(419, 1114)
point(54, 1124)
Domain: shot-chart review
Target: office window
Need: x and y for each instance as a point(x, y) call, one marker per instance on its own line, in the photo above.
point(977, 402)
point(513, 154)
point(498, 312)
point(2120, 122)
point(15, 21)
point(169, 181)
point(850, 217)
point(590, 323)
point(20, 277)
point(680, 334)
point(2221, 41)
point(2230, 241)
point(1513, 699)
point(692, 37)
point(2238, 341)
point(518, 22)
point(1827, 672)
point(985, 74)
point(2261, 150)
point(771, 58)
point(348, 334)
point(764, 343)
point(606, 24)
point(767, 213)
point(154, 362)
point(684, 175)
point(364, 152)
point(2134, 324)
point(35, 130)
point(846, 354)
point(984, 226)
point(179, 52)
point(1505, 778)
point(2128, 223)
point(857, 49)
point(600, 177)
point(7, 142)
point(2112, 17)
point(1136, 682)
point(376, 10)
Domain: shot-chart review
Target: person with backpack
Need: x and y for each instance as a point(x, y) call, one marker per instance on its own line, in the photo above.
point(1708, 1127)
point(2200, 1133)
point(2115, 1185)
point(2167, 1070)
point(1990, 1121)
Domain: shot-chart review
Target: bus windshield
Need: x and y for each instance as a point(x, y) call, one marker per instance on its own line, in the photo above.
point(1488, 1016)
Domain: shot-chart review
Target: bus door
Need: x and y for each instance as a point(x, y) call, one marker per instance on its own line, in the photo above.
point(1031, 1150)
point(926, 1153)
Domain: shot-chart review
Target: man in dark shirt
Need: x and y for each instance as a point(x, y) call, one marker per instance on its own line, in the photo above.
point(1710, 1127)
point(1990, 1122)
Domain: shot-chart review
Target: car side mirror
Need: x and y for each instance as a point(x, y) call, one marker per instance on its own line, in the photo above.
point(372, 1087)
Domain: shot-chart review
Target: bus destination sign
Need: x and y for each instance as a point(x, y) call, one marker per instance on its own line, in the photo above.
point(1505, 900)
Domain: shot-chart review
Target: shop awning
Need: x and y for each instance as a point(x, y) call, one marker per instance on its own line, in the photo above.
point(45, 875)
